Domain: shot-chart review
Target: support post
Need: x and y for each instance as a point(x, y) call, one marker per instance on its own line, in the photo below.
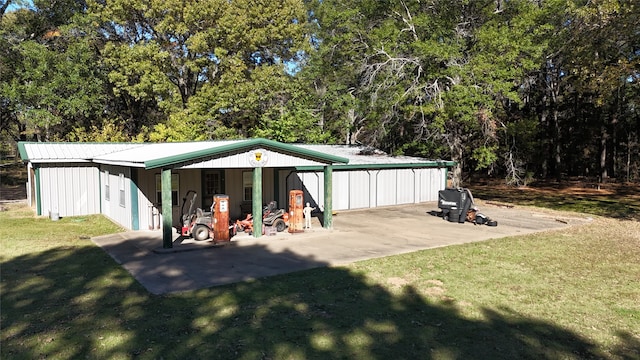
point(328, 198)
point(167, 210)
point(133, 186)
point(256, 197)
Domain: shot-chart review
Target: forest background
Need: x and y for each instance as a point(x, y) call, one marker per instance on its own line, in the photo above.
point(520, 89)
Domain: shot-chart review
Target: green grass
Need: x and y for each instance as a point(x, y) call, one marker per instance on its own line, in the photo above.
point(569, 294)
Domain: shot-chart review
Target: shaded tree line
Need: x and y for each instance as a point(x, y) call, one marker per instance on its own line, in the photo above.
point(522, 89)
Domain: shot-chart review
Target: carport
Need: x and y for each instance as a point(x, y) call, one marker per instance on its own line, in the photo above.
point(256, 154)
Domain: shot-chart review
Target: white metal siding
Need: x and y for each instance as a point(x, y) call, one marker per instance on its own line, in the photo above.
point(359, 189)
point(340, 191)
point(387, 185)
point(112, 207)
point(355, 189)
point(405, 186)
point(69, 190)
point(242, 160)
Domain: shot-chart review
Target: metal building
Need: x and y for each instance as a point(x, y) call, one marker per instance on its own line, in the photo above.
point(128, 182)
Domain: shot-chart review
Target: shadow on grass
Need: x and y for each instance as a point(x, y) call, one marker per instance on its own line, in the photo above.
point(78, 303)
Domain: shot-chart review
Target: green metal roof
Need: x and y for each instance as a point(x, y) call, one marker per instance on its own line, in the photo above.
point(245, 145)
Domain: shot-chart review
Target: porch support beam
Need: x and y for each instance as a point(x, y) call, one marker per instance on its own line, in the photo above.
point(256, 207)
point(167, 210)
point(328, 198)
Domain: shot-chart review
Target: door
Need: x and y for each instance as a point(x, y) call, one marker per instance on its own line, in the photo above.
point(212, 184)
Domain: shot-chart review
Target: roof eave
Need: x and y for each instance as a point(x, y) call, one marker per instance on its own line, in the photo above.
point(430, 164)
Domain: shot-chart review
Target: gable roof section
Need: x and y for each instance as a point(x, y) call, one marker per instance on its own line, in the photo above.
point(245, 145)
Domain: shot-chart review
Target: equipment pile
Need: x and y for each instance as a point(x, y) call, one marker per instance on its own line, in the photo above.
point(457, 206)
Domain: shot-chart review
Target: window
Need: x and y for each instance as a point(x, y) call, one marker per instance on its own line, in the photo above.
point(121, 188)
point(247, 185)
point(107, 191)
point(175, 185)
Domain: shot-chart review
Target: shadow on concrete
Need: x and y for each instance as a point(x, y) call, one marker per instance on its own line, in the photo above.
point(78, 303)
point(199, 264)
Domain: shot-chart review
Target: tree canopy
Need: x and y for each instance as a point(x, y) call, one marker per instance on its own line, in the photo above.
point(523, 89)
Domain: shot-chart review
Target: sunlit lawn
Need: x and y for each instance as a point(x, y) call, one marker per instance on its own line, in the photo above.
point(573, 293)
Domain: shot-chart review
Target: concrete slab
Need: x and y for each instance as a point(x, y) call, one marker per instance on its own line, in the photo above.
point(357, 235)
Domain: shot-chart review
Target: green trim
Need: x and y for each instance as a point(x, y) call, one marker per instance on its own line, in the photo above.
point(135, 219)
point(243, 146)
point(328, 197)
point(256, 199)
point(23, 151)
point(38, 194)
point(167, 209)
point(339, 167)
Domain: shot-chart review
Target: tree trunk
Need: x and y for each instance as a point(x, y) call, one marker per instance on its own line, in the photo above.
point(557, 147)
point(603, 153)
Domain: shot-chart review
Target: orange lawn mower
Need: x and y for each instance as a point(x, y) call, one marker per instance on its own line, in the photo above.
point(271, 216)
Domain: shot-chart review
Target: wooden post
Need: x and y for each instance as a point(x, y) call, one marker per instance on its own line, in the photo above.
point(328, 199)
point(167, 210)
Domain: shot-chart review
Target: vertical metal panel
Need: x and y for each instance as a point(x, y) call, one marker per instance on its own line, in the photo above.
point(359, 192)
point(340, 190)
point(386, 191)
point(112, 207)
point(423, 185)
point(69, 190)
point(373, 188)
point(405, 186)
point(312, 188)
point(46, 188)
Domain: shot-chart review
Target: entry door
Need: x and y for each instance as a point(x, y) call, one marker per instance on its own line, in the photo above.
point(212, 184)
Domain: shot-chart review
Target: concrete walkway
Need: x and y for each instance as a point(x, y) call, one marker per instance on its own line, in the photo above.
point(357, 235)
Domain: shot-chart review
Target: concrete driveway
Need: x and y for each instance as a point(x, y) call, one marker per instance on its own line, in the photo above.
point(357, 235)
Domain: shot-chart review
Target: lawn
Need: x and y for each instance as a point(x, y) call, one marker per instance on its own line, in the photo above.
point(568, 294)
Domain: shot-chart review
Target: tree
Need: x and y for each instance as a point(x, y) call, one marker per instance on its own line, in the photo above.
point(172, 51)
point(45, 83)
point(428, 75)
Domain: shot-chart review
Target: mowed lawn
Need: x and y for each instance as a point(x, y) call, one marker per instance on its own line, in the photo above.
point(568, 294)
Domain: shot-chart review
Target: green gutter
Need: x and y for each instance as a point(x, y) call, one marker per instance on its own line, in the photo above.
point(434, 164)
point(242, 146)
